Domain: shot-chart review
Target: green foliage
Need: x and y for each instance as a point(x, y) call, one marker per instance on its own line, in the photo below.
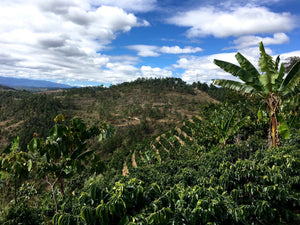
point(234, 184)
point(250, 191)
point(15, 164)
point(272, 85)
point(64, 152)
point(21, 214)
point(223, 124)
point(181, 175)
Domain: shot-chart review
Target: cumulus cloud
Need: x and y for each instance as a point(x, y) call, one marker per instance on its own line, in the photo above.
point(286, 55)
point(235, 21)
point(147, 71)
point(145, 50)
point(61, 39)
point(152, 50)
point(202, 68)
point(129, 5)
point(251, 40)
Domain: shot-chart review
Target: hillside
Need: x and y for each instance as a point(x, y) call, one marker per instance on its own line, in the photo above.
point(154, 104)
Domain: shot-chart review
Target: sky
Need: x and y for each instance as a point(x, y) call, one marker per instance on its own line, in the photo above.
point(103, 42)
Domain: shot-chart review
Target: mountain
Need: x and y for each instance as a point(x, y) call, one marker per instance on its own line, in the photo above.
point(5, 88)
point(29, 83)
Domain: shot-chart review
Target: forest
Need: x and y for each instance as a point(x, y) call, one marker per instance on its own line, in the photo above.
point(155, 151)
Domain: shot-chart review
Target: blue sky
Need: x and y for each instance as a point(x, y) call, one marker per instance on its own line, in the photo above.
point(92, 42)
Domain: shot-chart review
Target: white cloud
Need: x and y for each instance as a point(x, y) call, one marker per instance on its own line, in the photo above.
point(202, 68)
point(178, 50)
point(152, 50)
point(147, 71)
point(129, 5)
point(246, 41)
point(61, 39)
point(235, 21)
point(145, 50)
point(284, 56)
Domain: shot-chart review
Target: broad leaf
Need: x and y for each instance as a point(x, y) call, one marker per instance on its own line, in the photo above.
point(235, 70)
point(247, 66)
point(283, 128)
point(235, 85)
point(267, 66)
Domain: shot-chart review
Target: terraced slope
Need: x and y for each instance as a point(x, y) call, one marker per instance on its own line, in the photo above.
point(165, 145)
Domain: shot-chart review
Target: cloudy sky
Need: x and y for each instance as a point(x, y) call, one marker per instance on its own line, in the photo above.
point(92, 42)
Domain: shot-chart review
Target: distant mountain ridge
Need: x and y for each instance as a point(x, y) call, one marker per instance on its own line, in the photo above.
point(29, 83)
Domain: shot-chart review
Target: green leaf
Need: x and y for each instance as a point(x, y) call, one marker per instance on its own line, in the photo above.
point(283, 127)
point(234, 70)
point(55, 219)
point(259, 114)
point(267, 66)
point(29, 165)
point(252, 73)
point(235, 85)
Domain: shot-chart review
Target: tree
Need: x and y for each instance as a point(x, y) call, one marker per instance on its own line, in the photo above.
point(64, 152)
point(271, 85)
point(291, 62)
point(224, 125)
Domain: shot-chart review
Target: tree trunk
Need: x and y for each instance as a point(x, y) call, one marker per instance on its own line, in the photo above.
point(54, 196)
point(61, 187)
point(273, 139)
point(52, 185)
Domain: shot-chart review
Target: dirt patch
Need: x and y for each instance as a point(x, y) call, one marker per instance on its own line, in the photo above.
point(133, 160)
point(14, 125)
point(3, 123)
point(125, 170)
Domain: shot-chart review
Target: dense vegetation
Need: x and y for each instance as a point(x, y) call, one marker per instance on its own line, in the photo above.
point(152, 151)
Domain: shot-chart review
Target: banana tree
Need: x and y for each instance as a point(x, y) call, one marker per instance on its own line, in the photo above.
point(271, 84)
point(223, 124)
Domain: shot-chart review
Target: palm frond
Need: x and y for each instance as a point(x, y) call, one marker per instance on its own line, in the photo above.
point(247, 72)
point(281, 72)
point(267, 66)
point(235, 85)
point(233, 69)
point(247, 66)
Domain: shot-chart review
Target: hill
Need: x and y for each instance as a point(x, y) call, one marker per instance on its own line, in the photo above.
point(145, 106)
point(22, 83)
